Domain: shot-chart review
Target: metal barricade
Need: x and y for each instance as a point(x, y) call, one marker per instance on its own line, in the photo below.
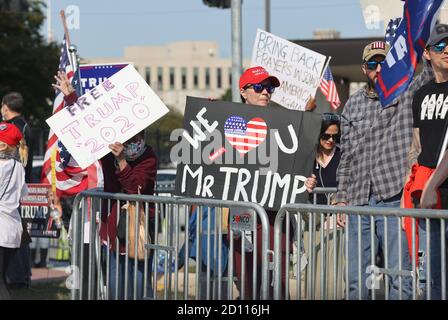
point(358, 275)
point(328, 192)
point(102, 274)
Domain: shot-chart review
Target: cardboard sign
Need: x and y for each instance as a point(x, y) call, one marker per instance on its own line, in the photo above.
point(240, 152)
point(94, 74)
point(298, 68)
point(115, 110)
point(35, 211)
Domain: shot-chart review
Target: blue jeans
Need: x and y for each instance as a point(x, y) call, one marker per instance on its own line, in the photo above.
point(121, 278)
point(379, 240)
point(435, 259)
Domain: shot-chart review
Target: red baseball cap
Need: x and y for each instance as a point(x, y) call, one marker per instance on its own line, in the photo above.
point(10, 134)
point(256, 75)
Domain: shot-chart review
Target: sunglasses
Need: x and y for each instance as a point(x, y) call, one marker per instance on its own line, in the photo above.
point(327, 136)
point(372, 65)
point(438, 48)
point(259, 87)
point(331, 117)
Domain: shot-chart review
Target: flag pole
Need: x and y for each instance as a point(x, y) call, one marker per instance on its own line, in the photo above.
point(444, 146)
point(64, 23)
point(327, 62)
point(325, 68)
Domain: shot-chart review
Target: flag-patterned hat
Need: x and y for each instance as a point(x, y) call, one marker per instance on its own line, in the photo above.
point(374, 48)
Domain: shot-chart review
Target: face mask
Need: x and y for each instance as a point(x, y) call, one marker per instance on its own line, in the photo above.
point(133, 150)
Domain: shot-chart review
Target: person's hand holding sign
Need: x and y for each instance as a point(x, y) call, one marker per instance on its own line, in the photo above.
point(118, 151)
point(63, 84)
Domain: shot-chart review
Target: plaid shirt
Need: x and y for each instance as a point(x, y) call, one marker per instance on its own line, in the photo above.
point(374, 144)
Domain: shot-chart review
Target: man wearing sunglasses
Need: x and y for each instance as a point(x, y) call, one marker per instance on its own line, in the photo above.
point(429, 108)
point(374, 146)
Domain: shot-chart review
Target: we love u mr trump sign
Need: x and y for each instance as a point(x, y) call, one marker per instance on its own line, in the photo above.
point(240, 152)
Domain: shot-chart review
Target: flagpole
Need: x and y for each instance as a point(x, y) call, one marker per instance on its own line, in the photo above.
point(325, 68)
point(64, 23)
point(444, 145)
point(327, 62)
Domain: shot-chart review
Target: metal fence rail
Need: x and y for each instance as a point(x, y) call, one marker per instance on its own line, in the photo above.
point(325, 281)
point(100, 269)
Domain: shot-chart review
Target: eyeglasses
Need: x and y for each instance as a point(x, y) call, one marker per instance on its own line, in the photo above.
point(331, 117)
point(372, 64)
point(438, 48)
point(259, 87)
point(327, 136)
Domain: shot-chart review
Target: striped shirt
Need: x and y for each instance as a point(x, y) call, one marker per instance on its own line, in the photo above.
point(374, 144)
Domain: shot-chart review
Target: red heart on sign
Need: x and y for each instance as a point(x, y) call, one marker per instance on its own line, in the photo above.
point(245, 136)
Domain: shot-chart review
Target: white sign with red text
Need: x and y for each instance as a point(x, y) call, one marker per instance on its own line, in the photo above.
point(115, 110)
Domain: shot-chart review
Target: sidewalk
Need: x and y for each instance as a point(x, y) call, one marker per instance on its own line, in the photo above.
point(49, 274)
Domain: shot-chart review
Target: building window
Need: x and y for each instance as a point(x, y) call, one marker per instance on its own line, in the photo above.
point(196, 77)
point(172, 77)
point(230, 77)
point(184, 77)
point(219, 78)
point(148, 75)
point(207, 78)
point(159, 78)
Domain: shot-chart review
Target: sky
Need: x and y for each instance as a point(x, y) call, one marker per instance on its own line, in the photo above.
point(106, 27)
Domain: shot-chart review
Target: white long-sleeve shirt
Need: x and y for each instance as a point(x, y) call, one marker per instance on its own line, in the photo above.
point(10, 221)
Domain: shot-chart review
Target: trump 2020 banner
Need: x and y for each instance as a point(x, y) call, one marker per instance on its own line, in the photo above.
point(35, 212)
point(406, 49)
point(93, 74)
point(240, 152)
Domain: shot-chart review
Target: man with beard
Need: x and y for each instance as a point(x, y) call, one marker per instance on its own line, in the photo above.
point(374, 145)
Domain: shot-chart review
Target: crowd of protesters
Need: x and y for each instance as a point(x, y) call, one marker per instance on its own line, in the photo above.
point(376, 156)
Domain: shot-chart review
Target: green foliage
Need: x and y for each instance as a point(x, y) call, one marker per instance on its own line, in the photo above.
point(28, 62)
point(227, 96)
point(158, 134)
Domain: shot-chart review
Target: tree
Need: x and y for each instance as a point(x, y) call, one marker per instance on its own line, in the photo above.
point(227, 96)
point(158, 135)
point(28, 62)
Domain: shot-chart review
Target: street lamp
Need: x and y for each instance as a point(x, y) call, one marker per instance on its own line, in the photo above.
point(237, 59)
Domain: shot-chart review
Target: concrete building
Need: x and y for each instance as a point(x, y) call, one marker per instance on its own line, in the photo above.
point(180, 69)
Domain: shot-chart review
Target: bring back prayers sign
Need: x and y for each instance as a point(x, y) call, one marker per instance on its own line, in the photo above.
point(240, 152)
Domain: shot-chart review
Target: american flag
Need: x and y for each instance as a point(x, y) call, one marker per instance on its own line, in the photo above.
point(391, 30)
point(70, 178)
point(328, 88)
point(245, 136)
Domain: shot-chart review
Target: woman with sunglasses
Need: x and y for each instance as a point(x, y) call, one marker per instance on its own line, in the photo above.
point(256, 88)
point(327, 161)
point(327, 155)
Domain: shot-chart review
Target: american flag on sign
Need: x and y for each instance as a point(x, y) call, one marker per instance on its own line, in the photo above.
point(328, 88)
point(391, 30)
point(245, 136)
point(70, 178)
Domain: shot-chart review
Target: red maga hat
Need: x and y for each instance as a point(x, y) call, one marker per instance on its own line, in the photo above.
point(256, 75)
point(10, 134)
